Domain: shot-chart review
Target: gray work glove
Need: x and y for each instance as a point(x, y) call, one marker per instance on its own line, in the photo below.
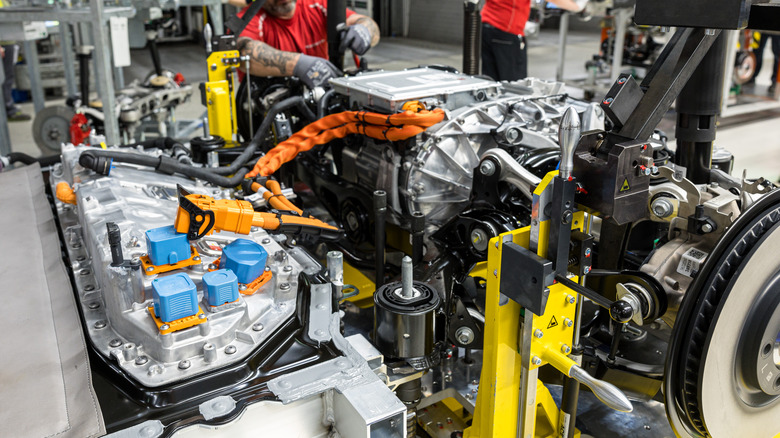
point(356, 37)
point(314, 71)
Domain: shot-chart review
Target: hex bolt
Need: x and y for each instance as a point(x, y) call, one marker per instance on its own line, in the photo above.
point(662, 207)
point(538, 333)
point(570, 299)
point(707, 228)
point(568, 322)
point(487, 167)
point(536, 360)
point(565, 349)
point(464, 335)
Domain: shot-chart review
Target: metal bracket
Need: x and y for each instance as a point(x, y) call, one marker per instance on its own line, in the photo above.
point(525, 277)
point(319, 312)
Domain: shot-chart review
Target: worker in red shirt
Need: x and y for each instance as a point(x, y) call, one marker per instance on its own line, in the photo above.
point(504, 56)
point(289, 38)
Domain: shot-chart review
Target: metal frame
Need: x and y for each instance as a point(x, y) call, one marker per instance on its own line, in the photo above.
point(98, 16)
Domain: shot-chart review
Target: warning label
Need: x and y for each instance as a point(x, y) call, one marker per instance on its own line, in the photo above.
point(691, 262)
point(625, 186)
point(553, 323)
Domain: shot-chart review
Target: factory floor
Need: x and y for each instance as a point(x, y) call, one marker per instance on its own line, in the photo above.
point(754, 139)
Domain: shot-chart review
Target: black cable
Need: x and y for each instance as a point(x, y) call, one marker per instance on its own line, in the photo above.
point(100, 161)
point(322, 106)
point(20, 157)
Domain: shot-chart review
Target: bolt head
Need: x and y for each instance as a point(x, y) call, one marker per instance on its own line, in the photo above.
point(165, 327)
point(538, 333)
point(536, 360)
point(568, 322)
point(257, 327)
point(565, 349)
point(707, 228)
point(149, 269)
point(230, 349)
point(487, 168)
point(570, 299)
point(183, 365)
point(141, 360)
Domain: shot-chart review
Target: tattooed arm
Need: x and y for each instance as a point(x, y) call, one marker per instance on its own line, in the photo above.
point(369, 23)
point(265, 60)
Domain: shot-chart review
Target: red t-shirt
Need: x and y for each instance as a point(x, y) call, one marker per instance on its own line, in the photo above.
point(305, 32)
point(507, 15)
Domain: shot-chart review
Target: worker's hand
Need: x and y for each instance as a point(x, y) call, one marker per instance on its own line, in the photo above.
point(581, 5)
point(356, 37)
point(314, 71)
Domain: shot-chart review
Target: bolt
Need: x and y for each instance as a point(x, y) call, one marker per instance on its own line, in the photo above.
point(487, 168)
point(608, 100)
point(707, 228)
point(662, 207)
point(284, 287)
point(89, 288)
point(265, 241)
point(241, 287)
point(536, 360)
point(567, 217)
point(538, 333)
point(183, 365)
point(93, 305)
point(201, 316)
point(570, 299)
point(565, 349)
point(230, 349)
point(621, 81)
point(567, 322)
point(212, 267)
point(100, 324)
point(588, 252)
point(586, 270)
point(196, 258)
point(288, 268)
point(495, 272)
point(149, 269)
point(115, 343)
point(464, 335)
point(213, 67)
point(711, 32)
point(257, 327)
point(85, 272)
point(164, 327)
point(141, 360)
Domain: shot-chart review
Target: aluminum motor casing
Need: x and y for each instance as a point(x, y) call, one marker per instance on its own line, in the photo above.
point(434, 173)
point(114, 301)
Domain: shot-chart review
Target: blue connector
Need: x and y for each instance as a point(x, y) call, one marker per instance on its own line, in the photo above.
point(220, 287)
point(175, 297)
point(166, 247)
point(245, 258)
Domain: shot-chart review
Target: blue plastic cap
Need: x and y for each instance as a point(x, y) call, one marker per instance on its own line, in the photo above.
point(175, 297)
point(220, 287)
point(166, 246)
point(245, 258)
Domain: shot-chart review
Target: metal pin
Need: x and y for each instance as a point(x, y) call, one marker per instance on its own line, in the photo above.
point(407, 289)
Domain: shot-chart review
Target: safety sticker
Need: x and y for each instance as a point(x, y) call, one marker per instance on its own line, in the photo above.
point(553, 323)
point(625, 186)
point(691, 262)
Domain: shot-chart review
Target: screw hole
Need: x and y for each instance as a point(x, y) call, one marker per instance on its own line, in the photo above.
point(767, 349)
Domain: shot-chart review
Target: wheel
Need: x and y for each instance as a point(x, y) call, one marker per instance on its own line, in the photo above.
point(744, 68)
point(723, 367)
point(51, 128)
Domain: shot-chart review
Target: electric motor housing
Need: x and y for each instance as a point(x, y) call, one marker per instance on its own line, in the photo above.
point(404, 328)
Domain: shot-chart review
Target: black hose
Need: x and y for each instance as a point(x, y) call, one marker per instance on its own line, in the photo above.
point(472, 30)
point(100, 161)
point(259, 136)
point(322, 105)
point(20, 157)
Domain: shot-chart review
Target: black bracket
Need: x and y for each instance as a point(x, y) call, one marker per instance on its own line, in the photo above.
point(197, 215)
point(525, 277)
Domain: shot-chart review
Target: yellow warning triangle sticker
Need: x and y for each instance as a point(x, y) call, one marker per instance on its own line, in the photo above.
point(625, 186)
point(553, 323)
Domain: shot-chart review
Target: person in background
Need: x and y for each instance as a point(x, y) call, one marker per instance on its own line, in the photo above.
point(504, 56)
point(288, 38)
point(765, 38)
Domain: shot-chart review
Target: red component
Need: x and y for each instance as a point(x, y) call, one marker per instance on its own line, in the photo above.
point(79, 129)
point(178, 78)
point(642, 168)
point(644, 147)
point(580, 189)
